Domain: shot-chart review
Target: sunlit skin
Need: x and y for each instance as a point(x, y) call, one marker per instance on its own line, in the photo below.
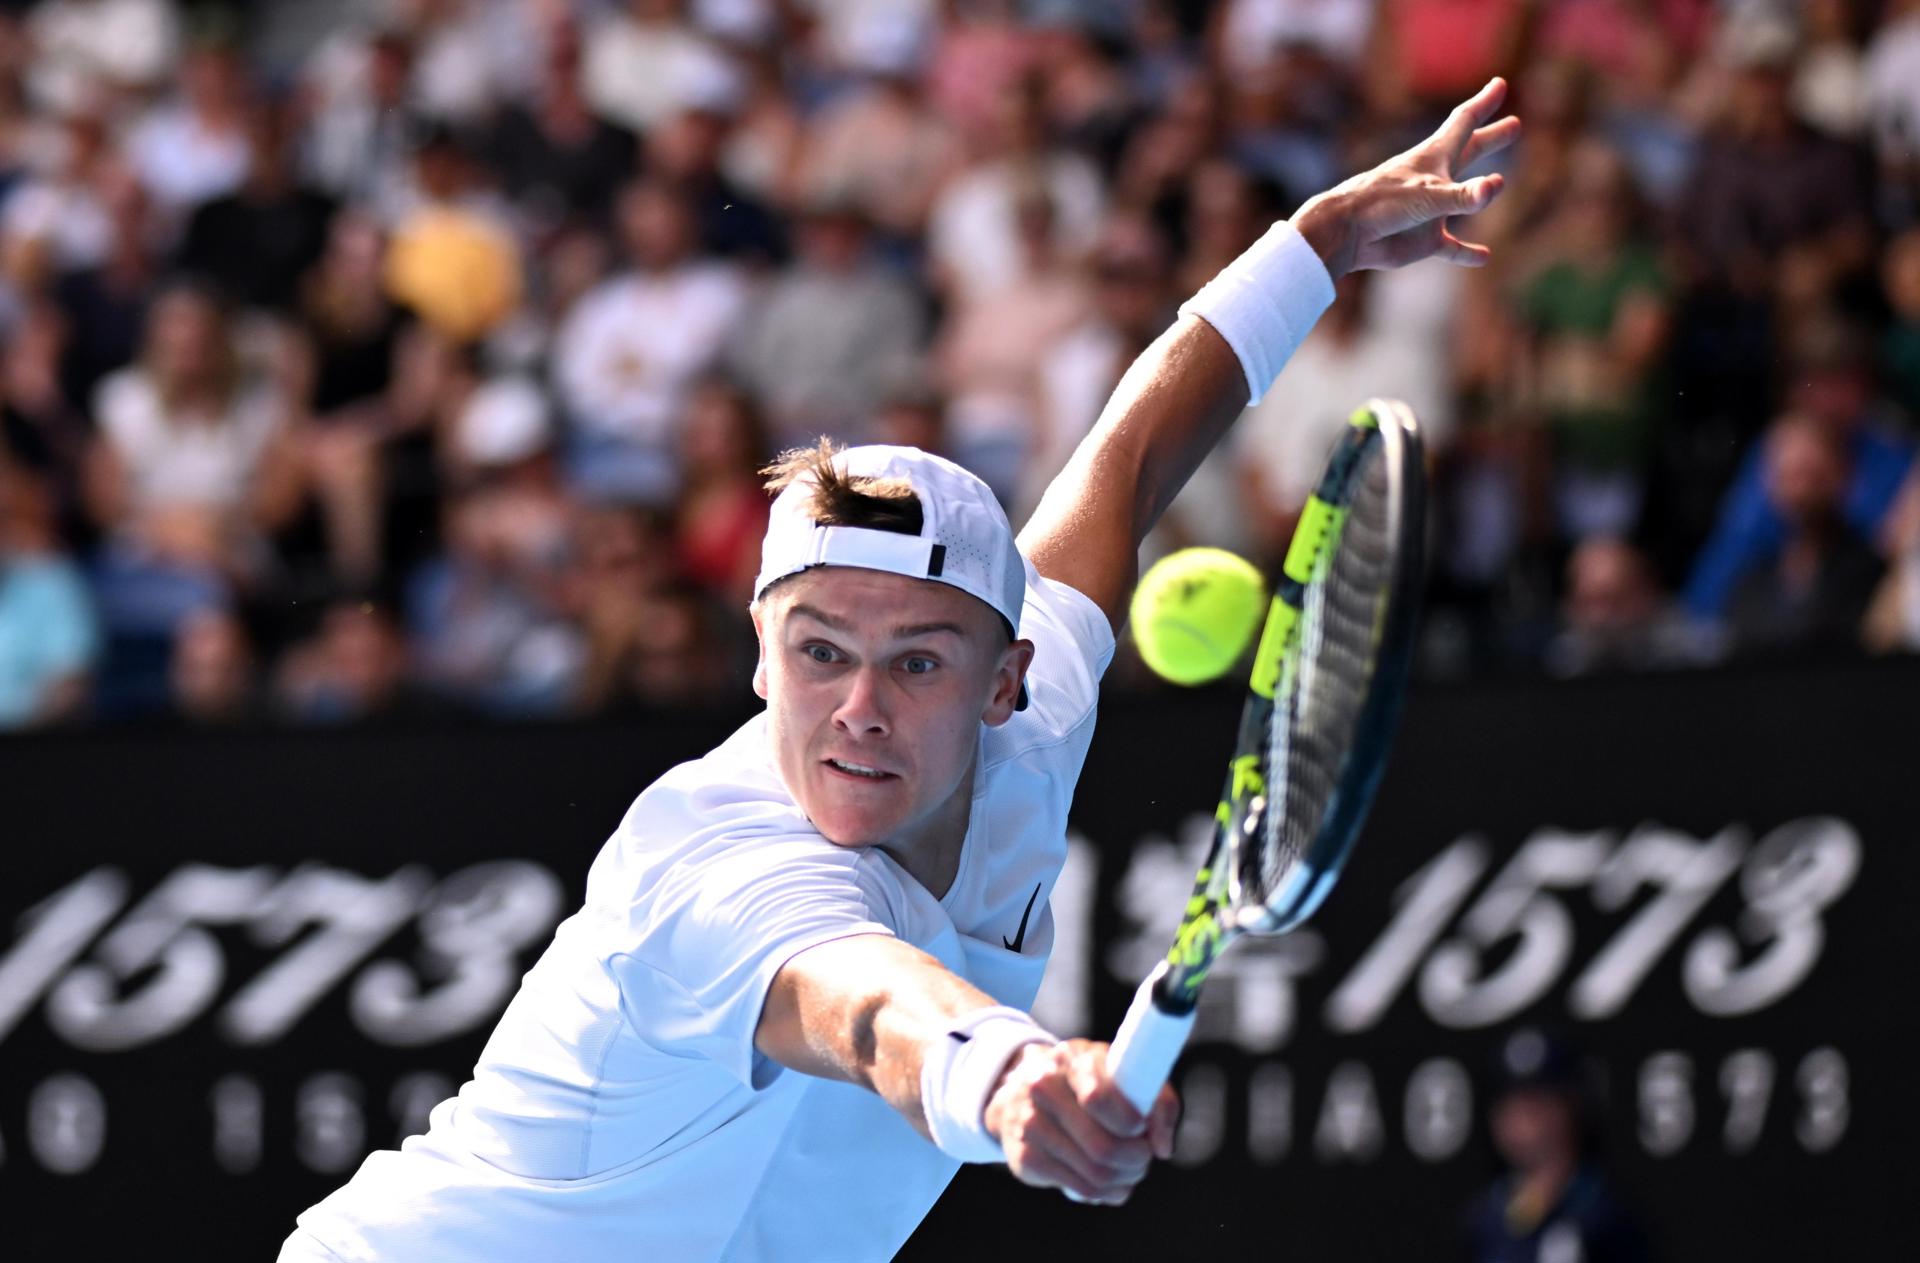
point(893, 675)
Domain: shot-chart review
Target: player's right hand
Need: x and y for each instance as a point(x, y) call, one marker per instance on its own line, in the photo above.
point(1065, 1124)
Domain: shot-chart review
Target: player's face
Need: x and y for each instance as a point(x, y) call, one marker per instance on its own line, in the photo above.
point(876, 687)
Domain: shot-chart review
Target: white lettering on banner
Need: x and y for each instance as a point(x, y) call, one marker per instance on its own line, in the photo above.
point(330, 1134)
point(355, 916)
point(1795, 873)
point(1203, 1117)
point(1349, 1129)
point(67, 1124)
point(1746, 1080)
point(1825, 1108)
point(1423, 906)
point(1436, 1113)
point(163, 934)
point(1270, 1113)
point(163, 965)
point(1439, 1109)
point(239, 1123)
point(1686, 872)
point(58, 929)
point(1456, 989)
point(1666, 1103)
point(472, 930)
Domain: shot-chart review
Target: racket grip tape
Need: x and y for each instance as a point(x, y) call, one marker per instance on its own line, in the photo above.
point(1148, 1044)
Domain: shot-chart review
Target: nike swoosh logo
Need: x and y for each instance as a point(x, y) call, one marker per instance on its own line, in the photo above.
point(1020, 935)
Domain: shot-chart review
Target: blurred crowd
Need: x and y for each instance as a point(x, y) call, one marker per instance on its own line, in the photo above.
point(377, 357)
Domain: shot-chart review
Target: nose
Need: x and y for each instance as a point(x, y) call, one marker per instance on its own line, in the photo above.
point(863, 711)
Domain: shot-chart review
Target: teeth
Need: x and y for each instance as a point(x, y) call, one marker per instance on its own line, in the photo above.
point(857, 770)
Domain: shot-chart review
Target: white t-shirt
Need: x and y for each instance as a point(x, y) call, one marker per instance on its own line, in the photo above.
point(627, 354)
point(621, 1111)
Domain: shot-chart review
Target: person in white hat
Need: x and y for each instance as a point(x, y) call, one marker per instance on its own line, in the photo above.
point(795, 999)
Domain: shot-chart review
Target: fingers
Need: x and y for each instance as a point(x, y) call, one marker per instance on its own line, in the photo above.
point(1164, 1122)
point(1455, 134)
point(1477, 194)
point(1489, 140)
point(1067, 1125)
point(1465, 253)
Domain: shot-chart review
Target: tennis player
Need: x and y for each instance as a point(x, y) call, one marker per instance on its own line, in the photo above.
point(795, 999)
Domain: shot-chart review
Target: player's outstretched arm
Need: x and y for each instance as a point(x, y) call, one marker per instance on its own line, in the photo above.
point(1178, 398)
point(881, 1013)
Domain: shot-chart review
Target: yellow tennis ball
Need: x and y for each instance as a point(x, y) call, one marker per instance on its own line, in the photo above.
point(1195, 611)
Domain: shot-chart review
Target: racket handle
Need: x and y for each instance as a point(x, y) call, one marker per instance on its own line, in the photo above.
point(1150, 1039)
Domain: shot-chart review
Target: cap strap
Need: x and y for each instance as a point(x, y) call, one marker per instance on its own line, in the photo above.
point(862, 546)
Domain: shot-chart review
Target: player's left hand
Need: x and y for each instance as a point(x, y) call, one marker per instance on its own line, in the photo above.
point(1397, 213)
point(1063, 1123)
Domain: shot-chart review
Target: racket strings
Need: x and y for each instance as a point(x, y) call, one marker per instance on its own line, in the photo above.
point(1321, 696)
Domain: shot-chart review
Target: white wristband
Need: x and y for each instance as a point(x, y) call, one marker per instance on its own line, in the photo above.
point(1264, 302)
point(957, 1076)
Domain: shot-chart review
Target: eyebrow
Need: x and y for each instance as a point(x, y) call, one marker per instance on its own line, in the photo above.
point(903, 632)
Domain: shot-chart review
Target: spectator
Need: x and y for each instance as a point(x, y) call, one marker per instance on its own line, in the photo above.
point(831, 332)
point(631, 349)
point(878, 145)
point(359, 136)
point(990, 353)
point(722, 513)
point(194, 463)
point(257, 242)
point(48, 635)
point(651, 641)
point(212, 675)
point(1130, 304)
point(1553, 1199)
point(974, 239)
point(1814, 593)
point(1832, 373)
point(126, 47)
point(1773, 220)
point(106, 306)
point(1900, 346)
point(453, 259)
point(1614, 616)
point(195, 147)
point(1893, 109)
point(556, 157)
point(1278, 448)
point(57, 216)
point(684, 151)
point(1893, 620)
point(1830, 82)
point(487, 616)
point(1595, 318)
point(41, 431)
point(644, 64)
point(1428, 54)
point(354, 669)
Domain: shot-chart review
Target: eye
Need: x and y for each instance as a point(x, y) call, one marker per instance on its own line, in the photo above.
point(818, 652)
point(917, 665)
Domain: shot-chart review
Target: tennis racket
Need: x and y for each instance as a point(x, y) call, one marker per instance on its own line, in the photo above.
point(1322, 703)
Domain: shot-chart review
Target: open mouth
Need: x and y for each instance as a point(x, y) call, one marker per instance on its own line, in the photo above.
point(860, 770)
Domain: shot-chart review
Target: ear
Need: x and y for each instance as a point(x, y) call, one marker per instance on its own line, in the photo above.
point(1007, 679)
point(760, 641)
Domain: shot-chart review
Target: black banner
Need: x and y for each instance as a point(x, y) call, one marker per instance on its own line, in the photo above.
point(230, 964)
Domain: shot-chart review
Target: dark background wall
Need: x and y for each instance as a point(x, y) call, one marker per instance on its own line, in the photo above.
point(232, 963)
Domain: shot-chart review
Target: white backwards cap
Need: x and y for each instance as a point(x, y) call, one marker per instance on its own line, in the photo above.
point(965, 539)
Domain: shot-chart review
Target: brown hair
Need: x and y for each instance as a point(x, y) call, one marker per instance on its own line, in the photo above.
point(842, 499)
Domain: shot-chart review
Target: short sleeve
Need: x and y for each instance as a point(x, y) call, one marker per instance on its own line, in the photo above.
point(714, 933)
point(1072, 647)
